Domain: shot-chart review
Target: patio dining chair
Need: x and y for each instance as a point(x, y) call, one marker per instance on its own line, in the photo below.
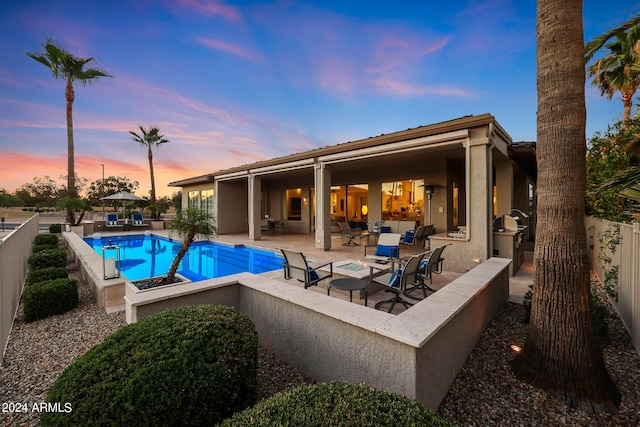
point(418, 238)
point(348, 233)
point(297, 267)
point(398, 281)
point(432, 263)
point(388, 247)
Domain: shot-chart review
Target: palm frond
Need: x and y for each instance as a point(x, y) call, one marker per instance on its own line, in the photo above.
point(596, 44)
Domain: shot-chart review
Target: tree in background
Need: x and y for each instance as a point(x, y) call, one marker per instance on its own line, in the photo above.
point(111, 185)
point(150, 138)
point(611, 159)
point(176, 199)
point(619, 69)
point(43, 191)
point(70, 68)
point(562, 352)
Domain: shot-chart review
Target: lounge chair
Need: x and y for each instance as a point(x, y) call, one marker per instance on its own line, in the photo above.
point(348, 233)
point(432, 263)
point(388, 247)
point(296, 266)
point(138, 221)
point(417, 238)
point(398, 281)
point(112, 221)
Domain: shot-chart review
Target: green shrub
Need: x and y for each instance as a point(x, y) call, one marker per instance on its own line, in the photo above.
point(49, 273)
point(40, 248)
point(185, 366)
point(48, 258)
point(44, 299)
point(46, 239)
point(55, 228)
point(336, 404)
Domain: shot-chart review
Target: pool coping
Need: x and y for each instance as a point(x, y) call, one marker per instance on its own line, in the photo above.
point(110, 293)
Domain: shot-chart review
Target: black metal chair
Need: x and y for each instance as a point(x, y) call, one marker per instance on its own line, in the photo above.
point(348, 233)
point(297, 267)
point(398, 281)
point(432, 263)
point(419, 237)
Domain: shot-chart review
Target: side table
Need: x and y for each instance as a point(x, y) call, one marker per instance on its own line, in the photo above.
point(349, 284)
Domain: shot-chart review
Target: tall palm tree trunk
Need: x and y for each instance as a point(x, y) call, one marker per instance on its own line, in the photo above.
point(153, 181)
point(71, 174)
point(562, 352)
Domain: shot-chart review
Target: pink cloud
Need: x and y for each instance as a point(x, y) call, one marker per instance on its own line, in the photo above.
point(233, 49)
point(399, 88)
point(213, 8)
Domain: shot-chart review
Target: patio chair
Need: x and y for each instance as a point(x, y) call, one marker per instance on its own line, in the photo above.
point(112, 221)
point(297, 267)
point(398, 281)
point(417, 238)
point(138, 221)
point(432, 263)
point(348, 233)
point(388, 247)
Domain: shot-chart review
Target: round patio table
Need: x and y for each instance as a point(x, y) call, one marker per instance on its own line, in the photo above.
point(349, 284)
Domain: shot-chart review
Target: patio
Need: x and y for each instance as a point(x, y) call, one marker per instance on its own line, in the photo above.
point(518, 284)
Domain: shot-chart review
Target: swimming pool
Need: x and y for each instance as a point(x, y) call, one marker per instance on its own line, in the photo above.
point(143, 256)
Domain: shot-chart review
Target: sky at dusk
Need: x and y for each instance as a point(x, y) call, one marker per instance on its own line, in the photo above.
point(234, 82)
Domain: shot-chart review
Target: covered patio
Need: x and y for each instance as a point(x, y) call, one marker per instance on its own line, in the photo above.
point(457, 175)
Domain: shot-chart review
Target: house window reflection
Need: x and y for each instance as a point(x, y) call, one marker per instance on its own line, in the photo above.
point(403, 200)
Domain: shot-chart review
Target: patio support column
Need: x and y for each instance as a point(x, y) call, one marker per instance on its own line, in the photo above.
point(322, 177)
point(255, 188)
point(504, 187)
point(479, 177)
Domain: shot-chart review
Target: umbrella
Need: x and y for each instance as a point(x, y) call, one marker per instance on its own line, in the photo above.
point(124, 196)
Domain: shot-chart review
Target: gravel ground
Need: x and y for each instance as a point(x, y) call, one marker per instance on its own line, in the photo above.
point(485, 393)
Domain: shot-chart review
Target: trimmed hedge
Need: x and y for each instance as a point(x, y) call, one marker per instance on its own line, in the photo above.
point(44, 299)
point(46, 239)
point(336, 404)
point(49, 273)
point(55, 228)
point(48, 258)
point(185, 366)
point(43, 247)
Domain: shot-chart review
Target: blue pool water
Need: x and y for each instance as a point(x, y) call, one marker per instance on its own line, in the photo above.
point(147, 256)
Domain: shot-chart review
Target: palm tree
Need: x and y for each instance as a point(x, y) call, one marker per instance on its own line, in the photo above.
point(596, 44)
point(618, 70)
point(66, 66)
point(188, 224)
point(149, 138)
point(562, 352)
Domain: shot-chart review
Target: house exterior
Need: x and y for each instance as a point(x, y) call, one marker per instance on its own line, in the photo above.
point(458, 175)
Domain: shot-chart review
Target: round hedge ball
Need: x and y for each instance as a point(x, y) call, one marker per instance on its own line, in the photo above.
point(336, 404)
point(186, 366)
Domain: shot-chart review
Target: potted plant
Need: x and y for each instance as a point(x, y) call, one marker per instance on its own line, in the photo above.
point(157, 210)
point(75, 205)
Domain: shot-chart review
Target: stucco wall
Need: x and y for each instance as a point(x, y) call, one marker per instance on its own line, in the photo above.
point(417, 353)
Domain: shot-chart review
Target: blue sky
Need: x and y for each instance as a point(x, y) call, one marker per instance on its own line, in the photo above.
point(233, 82)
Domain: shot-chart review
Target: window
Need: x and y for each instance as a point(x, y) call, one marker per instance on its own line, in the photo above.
point(194, 199)
point(207, 201)
point(403, 200)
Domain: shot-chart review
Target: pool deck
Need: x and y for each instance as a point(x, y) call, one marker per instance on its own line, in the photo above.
point(518, 284)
